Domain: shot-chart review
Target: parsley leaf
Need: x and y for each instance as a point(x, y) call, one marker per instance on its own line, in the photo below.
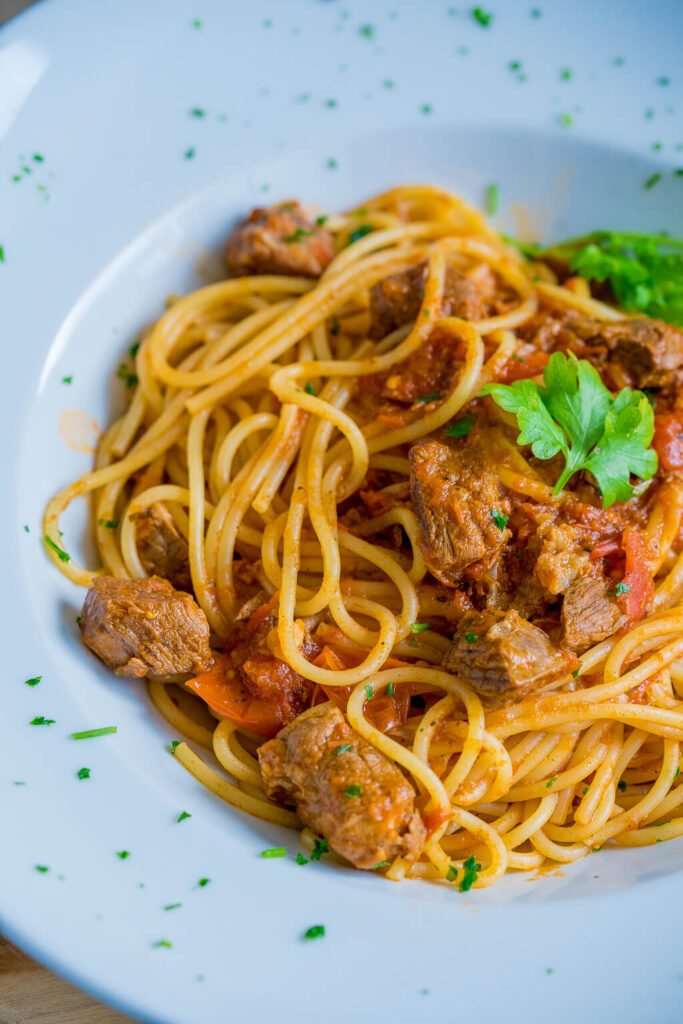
point(360, 232)
point(460, 428)
point(344, 748)
point(42, 720)
point(499, 519)
point(369, 692)
point(320, 846)
point(470, 637)
point(316, 931)
point(183, 815)
point(353, 790)
point(34, 681)
point(419, 627)
point(300, 859)
point(576, 415)
point(83, 773)
point(470, 869)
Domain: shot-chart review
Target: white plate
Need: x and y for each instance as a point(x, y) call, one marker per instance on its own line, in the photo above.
point(103, 93)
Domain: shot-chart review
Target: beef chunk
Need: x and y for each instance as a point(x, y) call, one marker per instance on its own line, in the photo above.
point(396, 300)
point(427, 373)
point(454, 496)
point(650, 350)
point(589, 613)
point(279, 240)
point(357, 798)
point(255, 655)
point(145, 628)
point(162, 548)
point(561, 559)
point(503, 657)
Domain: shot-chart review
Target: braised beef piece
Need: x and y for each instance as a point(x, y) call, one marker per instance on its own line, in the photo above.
point(145, 628)
point(561, 558)
point(649, 351)
point(281, 239)
point(162, 548)
point(503, 657)
point(396, 300)
point(343, 788)
point(590, 613)
point(254, 652)
point(426, 375)
point(458, 502)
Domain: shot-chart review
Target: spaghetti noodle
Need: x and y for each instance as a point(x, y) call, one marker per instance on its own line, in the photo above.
point(265, 422)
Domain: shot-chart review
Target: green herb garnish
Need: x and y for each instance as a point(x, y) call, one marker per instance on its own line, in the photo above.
point(34, 681)
point(343, 748)
point(390, 689)
point(310, 390)
point(452, 873)
point(482, 17)
point(123, 854)
point(499, 519)
point(61, 554)
point(83, 773)
point(419, 627)
point(202, 882)
point(492, 199)
point(316, 931)
point(460, 428)
point(470, 638)
point(300, 859)
point(435, 396)
point(353, 790)
point(297, 235)
point(183, 815)
point(369, 692)
point(621, 786)
point(360, 232)
point(90, 734)
point(42, 720)
point(274, 851)
point(576, 414)
point(320, 846)
point(470, 869)
point(162, 944)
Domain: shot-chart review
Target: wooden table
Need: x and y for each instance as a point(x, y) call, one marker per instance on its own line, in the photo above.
point(29, 993)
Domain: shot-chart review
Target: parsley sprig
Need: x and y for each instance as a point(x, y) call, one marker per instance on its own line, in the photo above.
point(575, 414)
point(645, 272)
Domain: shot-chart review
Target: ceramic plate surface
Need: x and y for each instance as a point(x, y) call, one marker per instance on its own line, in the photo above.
point(133, 134)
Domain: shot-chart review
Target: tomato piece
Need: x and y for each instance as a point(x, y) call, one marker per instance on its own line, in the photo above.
point(668, 442)
point(383, 712)
point(638, 577)
point(229, 697)
point(522, 367)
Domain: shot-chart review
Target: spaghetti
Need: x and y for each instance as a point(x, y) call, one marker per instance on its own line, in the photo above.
point(264, 420)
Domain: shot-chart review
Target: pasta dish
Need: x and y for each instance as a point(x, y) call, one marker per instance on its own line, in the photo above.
point(391, 525)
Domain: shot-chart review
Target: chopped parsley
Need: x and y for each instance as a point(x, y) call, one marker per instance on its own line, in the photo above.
point(460, 428)
point(565, 74)
point(42, 868)
point(360, 232)
point(452, 873)
point(90, 734)
point(174, 745)
point(566, 119)
point(676, 774)
point(492, 198)
point(162, 944)
point(41, 720)
point(300, 859)
point(426, 108)
point(367, 31)
point(353, 790)
point(332, 163)
point(320, 846)
point(172, 906)
point(413, 642)
point(110, 524)
point(343, 748)
point(551, 782)
point(297, 235)
point(390, 690)
point(389, 83)
point(419, 627)
point(189, 153)
point(652, 180)
point(2, 254)
point(196, 23)
point(123, 854)
point(310, 390)
point(470, 869)
point(83, 773)
point(434, 396)
point(274, 851)
point(621, 786)
point(499, 519)
point(26, 529)
point(197, 112)
point(202, 882)
point(575, 674)
point(482, 17)
point(470, 638)
point(369, 692)
point(622, 588)
point(331, 103)
point(129, 378)
point(316, 931)
point(585, 790)
point(575, 414)
point(380, 864)
point(34, 681)
point(183, 815)
point(67, 380)
point(61, 554)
